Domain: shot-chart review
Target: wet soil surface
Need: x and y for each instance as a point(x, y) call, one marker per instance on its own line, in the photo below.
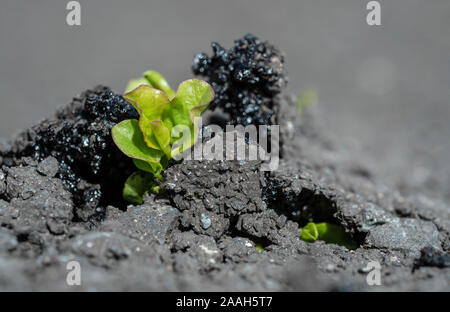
point(201, 234)
point(60, 186)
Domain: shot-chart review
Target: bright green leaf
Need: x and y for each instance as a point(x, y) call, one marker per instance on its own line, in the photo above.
point(136, 186)
point(162, 134)
point(259, 247)
point(150, 167)
point(134, 83)
point(149, 101)
point(191, 94)
point(335, 234)
point(159, 82)
point(327, 232)
point(151, 104)
point(129, 139)
point(165, 127)
point(147, 130)
point(192, 99)
point(309, 232)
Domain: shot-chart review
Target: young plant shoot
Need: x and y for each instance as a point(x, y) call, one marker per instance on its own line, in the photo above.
point(306, 99)
point(327, 232)
point(165, 116)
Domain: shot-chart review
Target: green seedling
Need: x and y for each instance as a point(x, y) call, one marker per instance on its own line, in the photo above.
point(134, 83)
point(329, 233)
point(259, 247)
point(305, 99)
point(167, 126)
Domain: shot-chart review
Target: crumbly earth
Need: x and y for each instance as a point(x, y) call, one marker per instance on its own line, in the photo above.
point(80, 145)
point(201, 234)
point(220, 224)
point(245, 79)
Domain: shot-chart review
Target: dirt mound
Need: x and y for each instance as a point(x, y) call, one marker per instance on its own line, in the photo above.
point(219, 225)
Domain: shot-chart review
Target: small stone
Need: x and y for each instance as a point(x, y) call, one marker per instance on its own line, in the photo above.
point(406, 233)
point(28, 161)
point(206, 222)
point(48, 167)
point(55, 227)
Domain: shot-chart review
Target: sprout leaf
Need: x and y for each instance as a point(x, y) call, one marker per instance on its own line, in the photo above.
point(159, 82)
point(167, 126)
point(330, 233)
point(134, 83)
point(192, 99)
point(136, 186)
point(129, 139)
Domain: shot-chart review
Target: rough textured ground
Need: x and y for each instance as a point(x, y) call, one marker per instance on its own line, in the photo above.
point(201, 234)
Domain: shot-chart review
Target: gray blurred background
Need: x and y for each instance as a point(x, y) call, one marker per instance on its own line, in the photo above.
point(384, 87)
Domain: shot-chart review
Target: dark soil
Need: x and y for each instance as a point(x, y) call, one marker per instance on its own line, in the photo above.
point(60, 201)
point(87, 162)
point(245, 78)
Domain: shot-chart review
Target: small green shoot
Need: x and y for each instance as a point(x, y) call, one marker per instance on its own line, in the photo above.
point(305, 99)
point(329, 233)
point(134, 83)
point(157, 80)
point(137, 185)
point(167, 126)
point(259, 248)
